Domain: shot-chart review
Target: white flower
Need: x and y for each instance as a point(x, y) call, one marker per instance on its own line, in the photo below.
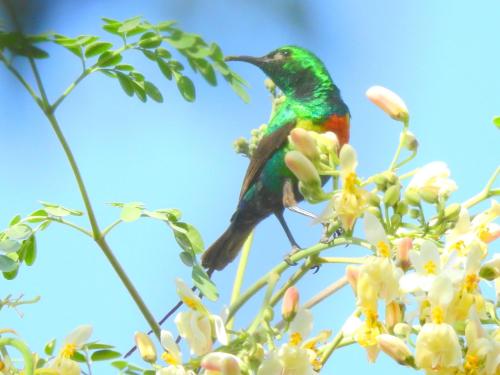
point(64, 366)
point(302, 323)
point(437, 347)
point(432, 181)
point(375, 234)
point(172, 355)
point(288, 360)
point(221, 363)
point(195, 328)
point(394, 347)
point(174, 370)
point(427, 265)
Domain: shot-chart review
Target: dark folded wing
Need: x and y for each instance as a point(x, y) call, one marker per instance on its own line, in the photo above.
point(266, 148)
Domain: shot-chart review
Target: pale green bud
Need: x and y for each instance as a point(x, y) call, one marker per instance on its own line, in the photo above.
point(395, 220)
point(409, 141)
point(146, 347)
point(452, 212)
point(305, 143)
point(402, 208)
point(414, 213)
point(491, 269)
point(374, 211)
point(412, 197)
point(429, 196)
point(373, 199)
point(392, 195)
point(303, 169)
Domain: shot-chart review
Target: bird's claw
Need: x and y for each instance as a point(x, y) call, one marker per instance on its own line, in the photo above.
point(315, 268)
point(288, 257)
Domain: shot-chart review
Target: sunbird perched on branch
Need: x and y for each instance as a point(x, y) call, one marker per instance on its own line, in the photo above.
point(313, 102)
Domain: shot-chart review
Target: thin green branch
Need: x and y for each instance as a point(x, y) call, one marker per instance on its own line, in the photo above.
point(240, 273)
point(110, 227)
point(393, 165)
point(347, 260)
point(72, 225)
point(281, 267)
point(20, 78)
point(486, 193)
point(70, 88)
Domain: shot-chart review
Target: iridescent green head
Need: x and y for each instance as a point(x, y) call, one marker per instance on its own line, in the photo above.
point(296, 71)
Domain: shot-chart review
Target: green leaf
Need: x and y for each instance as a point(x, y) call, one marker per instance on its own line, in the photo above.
point(109, 58)
point(216, 53)
point(153, 92)
point(120, 365)
point(126, 83)
point(241, 92)
point(49, 347)
point(149, 54)
point(7, 264)
point(164, 68)
point(79, 357)
point(186, 88)
point(188, 237)
point(58, 210)
point(207, 71)
point(37, 216)
point(98, 345)
point(140, 91)
point(496, 121)
point(125, 67)
point(16, 219)
point(131, 211)
point(204, 284)
point(180, 40)
point(149, 372)
point(187, 258)
point(130, 24)
point(97, 48)
point(104, 355)
point(70, 44)
point(9, 246)
point(162, 52)
point(165, 25)
point(175, 65)
point(85, 40)
point(29, 250)
point(150, 40)
point(18, 232)
point(199, 52)
point(11, 275)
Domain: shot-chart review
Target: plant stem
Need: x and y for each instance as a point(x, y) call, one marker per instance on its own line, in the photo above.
point(25, 352)
point(281, 267)
point(72, 225)
point(360, 260)
point(485, 193)
point(70, 88)
point(242, 265)
point(327, 292)
point(393, 166)
point(108, 229)
point(335, 342)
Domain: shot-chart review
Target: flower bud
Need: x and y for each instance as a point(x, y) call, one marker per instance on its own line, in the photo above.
point(490, 270)
point(409, 141)
point(412, 197)
point(352, 275)
point(452, 212)
point(146, 347)
point(402, 329)
point(290, 304)
point(374, 211)
point(395, 348)
point(429, 196)
point(392, 195)
point(302, 168)
point(381, 181)
point(328, 142)
point(224, 363)
point(414, 213)
point(373, 199)
point(269, 84)
point(403, 252)
point(348, 158)
point(395, 220)
point(389, 102)
point(402, 208)
point(305, 143)
point(393, 314)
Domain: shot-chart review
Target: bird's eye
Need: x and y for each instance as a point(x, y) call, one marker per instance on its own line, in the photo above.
point(286, 53)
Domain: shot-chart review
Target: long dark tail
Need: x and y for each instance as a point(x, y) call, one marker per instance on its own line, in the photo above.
point(226, 248)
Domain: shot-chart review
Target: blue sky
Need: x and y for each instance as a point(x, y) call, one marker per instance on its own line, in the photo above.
point(441, 57)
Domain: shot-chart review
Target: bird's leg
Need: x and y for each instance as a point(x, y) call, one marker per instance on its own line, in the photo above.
point(295, 245)
point(290, 202)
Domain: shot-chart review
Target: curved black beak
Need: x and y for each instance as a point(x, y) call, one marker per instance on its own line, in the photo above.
point(249, 59)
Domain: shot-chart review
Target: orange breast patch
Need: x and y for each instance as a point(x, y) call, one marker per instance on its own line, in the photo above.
point(340, 126)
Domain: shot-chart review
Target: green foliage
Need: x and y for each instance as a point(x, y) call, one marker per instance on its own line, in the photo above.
point(496, 121)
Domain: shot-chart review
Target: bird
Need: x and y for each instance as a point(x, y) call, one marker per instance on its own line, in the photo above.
point(311, 101)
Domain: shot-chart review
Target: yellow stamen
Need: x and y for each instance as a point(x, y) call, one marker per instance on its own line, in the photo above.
point(350, 182)
point(471, 282)
point(295, 338)
point(369, 330)
point(459, 247)
point(484, 233)
point(190, 302)
point(471, 364)
point(437, 315)
point(68, 350)
point(383, 249)
point(430, 267)
point(2, 365)
point(316, 364)
point(170, 359)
